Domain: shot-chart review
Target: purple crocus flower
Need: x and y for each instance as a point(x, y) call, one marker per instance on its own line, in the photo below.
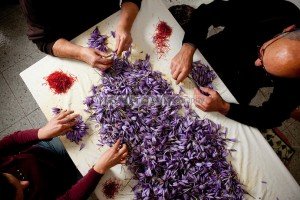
point(202, 75)
point(173, 154)
point(78, 131)
point(98, 41)
point(113, 33)
point(56, 111)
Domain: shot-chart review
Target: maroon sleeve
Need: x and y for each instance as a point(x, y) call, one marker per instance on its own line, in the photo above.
point(18, 141)
point(84, 187)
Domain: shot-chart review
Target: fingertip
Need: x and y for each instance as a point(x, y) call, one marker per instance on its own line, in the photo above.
point(117, 144)
point(123, 162)
point(196, 90)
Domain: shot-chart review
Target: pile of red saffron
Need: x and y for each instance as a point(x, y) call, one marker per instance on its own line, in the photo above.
point(60, 82)
point(161, 38)
point(111, 188)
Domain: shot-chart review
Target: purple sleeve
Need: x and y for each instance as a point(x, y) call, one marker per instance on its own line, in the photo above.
point(83, 188)
point(18, 140)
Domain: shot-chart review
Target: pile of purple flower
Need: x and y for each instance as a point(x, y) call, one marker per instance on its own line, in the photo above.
point(78, 131)
point(98, 41)
point(202, 75)
point(173, 153)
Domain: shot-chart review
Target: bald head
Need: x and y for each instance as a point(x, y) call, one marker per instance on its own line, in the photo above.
point(282, 57)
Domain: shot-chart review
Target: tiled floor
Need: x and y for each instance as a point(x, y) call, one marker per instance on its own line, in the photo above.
point(20, 111)
point(291, 130)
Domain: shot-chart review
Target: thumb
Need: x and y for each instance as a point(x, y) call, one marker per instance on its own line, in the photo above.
point(117, 144)
point(196, 91)
point(102, 54)
point(117, 42)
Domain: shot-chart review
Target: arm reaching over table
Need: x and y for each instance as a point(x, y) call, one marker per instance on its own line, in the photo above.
point(21, 140)
point(262, 51)
point(196, 33)
point(181, 64)
point(84, 187)
point(53, 24)
point(211, 102)
point(129, 11)
point(64, 49)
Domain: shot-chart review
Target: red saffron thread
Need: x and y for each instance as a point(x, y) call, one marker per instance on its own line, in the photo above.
point(111, 188)
point(161, 38)
point(59, 82)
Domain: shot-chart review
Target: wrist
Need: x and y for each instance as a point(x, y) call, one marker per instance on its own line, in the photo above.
point(82, 54)
point(188, 49)
point(41, 134)
point(99, 169)
point(129, 11)
point(225, 108)
point(123, 27)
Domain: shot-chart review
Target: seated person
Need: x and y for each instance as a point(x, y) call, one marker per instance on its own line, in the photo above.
point(33, 167)
point(268, 27)
point(53, 23)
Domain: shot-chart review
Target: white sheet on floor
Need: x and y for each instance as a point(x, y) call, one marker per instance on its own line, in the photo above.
point(258, 167)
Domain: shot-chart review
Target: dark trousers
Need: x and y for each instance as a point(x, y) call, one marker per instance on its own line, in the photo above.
point(56, 148)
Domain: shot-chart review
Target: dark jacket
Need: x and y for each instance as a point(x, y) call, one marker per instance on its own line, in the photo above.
point(232, 53)
point(50, 20)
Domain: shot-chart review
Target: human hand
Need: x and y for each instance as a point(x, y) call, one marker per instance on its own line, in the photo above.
point(96, 58)
point(123, 40)
point(181, 64)
point(212, 102)
point(58, 125)
point(113, 156)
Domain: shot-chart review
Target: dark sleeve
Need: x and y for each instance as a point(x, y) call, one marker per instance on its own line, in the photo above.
point(271, 114)
point(217, 13)
point(18, 141)
point(36, 31)
point(84, 187)
point(136, 2)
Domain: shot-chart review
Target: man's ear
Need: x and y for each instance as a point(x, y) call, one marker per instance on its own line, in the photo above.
point(258, 62)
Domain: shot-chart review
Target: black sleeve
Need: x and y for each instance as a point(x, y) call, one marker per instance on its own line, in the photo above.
point(36, 31)
point(45, 46)
point(217, 13)
point(136, 2)
point(271, 114)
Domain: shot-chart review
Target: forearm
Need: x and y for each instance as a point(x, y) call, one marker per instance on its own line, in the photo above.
point(216, 13)
point(65, 49)
point(224, 110)
point(129, 12)
point(18, 141)
point(258, 117)
point(84, 187)
point(188, 49)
